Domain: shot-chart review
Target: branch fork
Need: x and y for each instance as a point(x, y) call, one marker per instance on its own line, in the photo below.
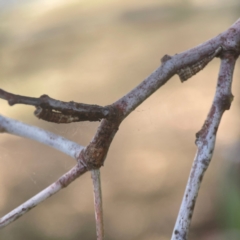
point(205, 141)
point(92, 157)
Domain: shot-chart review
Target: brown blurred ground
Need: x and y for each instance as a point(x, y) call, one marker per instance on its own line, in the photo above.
point(95, 53)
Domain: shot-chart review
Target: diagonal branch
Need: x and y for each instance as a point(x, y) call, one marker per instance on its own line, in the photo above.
point(228, 40)
point(61, 183)
point(205, 142)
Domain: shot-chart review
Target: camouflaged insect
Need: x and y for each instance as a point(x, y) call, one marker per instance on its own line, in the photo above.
point(56, 117)
point(189, 71)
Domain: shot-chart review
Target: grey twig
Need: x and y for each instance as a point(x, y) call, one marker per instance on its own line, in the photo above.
point(60, 143)
point(61, 183)
point(205, 141)
point(98, 203)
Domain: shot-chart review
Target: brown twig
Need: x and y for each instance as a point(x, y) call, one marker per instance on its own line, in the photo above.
point(53, 110)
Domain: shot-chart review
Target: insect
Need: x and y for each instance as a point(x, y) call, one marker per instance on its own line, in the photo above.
point(54, 116)
point(189, 71)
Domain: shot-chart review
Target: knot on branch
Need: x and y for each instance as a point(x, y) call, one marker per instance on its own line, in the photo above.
point(93, 157)
point(44, 100)
point(94, 154)
point(201, 137)
point(229, 53)
point(225, 102)
point(165, 58)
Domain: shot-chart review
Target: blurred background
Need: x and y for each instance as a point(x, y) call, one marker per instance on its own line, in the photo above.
point(95, 52)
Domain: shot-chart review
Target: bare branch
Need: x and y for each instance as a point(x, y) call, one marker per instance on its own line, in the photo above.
point(98, 203)
point(205, 142)
point(57, 111)
point(93, 156)
point(228, 40)
point(18, 128)
point(61, 183)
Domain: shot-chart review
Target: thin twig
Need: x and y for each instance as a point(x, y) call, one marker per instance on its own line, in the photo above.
point(61, 183)
point(53, 110)
point(18, 128)
point(98, 203)
point(205, 142)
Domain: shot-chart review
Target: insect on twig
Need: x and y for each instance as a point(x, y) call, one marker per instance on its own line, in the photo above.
point(189, 71)
point(54, 116)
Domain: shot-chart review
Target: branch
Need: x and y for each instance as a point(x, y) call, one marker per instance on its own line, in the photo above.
point(205, 142)
point(61, 183)
point(98, 203)
point(18, 128)
point(228, 40)
point(95, 153)
point(93, 156)
point(72, 149)
point(52, 110)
